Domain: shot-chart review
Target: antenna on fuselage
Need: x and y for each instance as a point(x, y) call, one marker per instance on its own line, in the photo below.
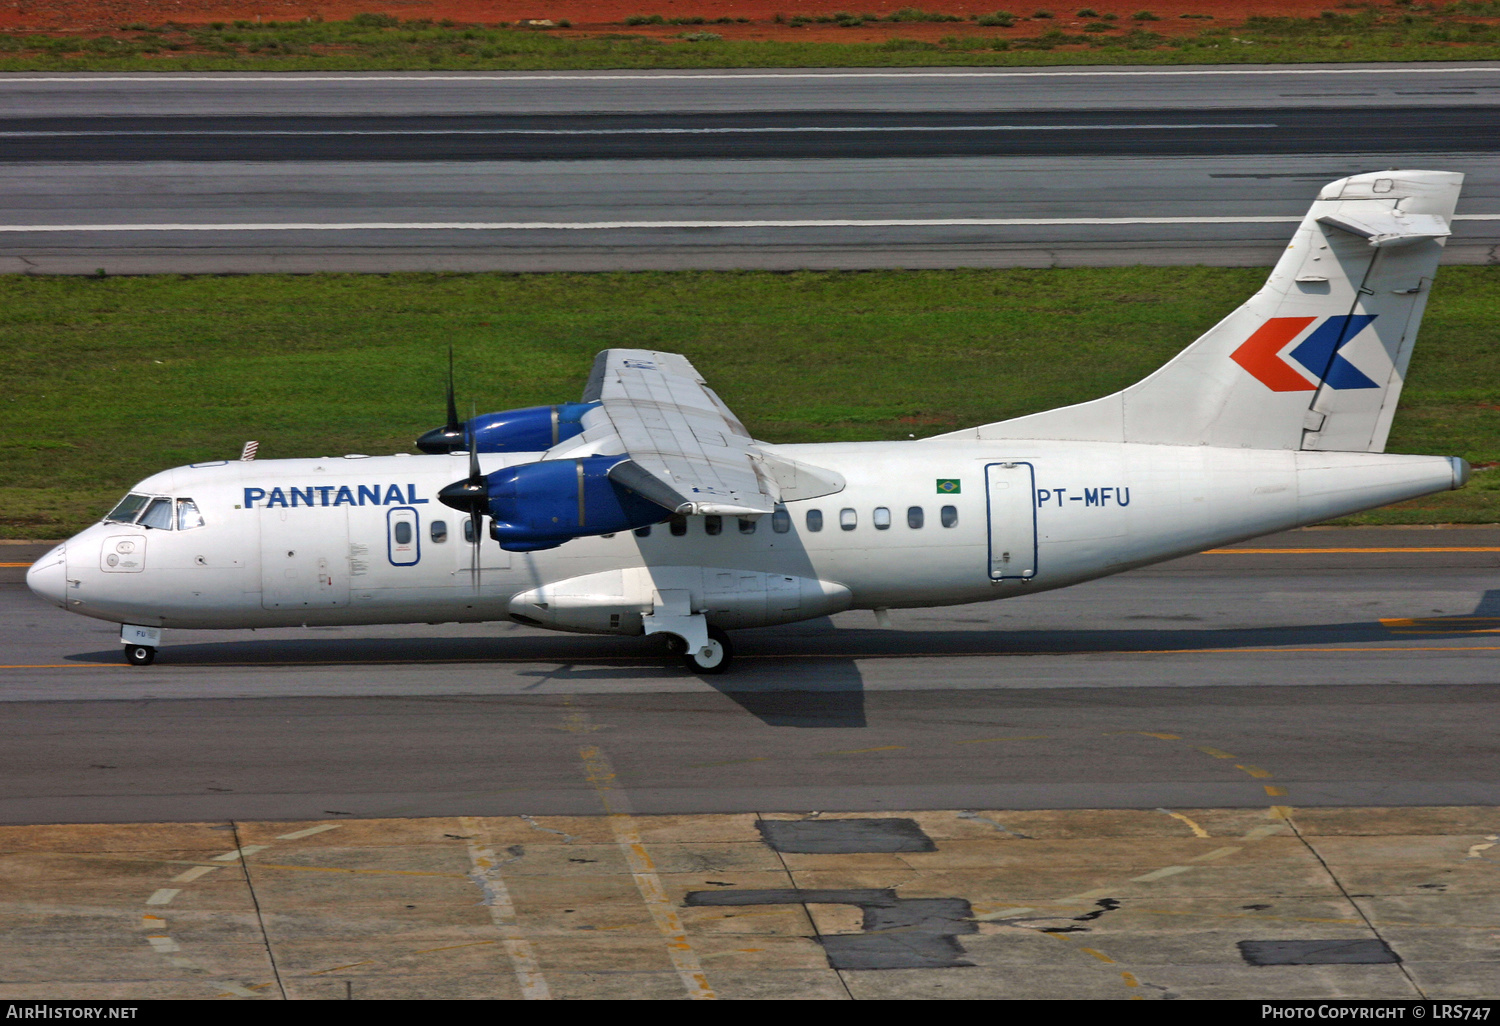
point(248, 452)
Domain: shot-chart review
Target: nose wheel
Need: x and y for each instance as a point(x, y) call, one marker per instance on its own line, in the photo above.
point(140, 655)
point(713, 657)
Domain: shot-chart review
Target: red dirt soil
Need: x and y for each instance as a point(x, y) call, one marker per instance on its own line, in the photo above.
point(592, 17)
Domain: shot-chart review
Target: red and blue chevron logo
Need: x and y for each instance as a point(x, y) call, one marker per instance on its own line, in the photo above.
point(1317, 354)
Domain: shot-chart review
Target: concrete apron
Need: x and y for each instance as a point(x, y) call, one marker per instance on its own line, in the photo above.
point(1132, 904)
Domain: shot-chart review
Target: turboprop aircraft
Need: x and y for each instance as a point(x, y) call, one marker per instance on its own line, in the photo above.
point(647, 508)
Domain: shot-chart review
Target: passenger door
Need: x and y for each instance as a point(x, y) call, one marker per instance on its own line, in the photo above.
point(1010, 490)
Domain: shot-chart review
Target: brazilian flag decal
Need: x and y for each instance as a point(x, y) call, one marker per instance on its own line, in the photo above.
point(948, 486)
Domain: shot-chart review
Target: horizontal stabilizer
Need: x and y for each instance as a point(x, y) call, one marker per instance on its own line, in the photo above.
point(1388, 228)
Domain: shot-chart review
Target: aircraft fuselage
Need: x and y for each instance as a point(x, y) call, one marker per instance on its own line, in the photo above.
point(356, 540)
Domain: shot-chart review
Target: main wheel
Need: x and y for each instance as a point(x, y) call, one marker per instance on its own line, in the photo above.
point(720, 655)
point(140, 655)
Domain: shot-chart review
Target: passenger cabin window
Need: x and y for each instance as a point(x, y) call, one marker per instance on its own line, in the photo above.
point(881, 519)
point(158, 515)
point(679, 526)
point(188, 516)
point(747, 526)
point(848, 519)
point(815, 520)
point(713, 525)
point(469, 530)
point(128, 509)
point(914, 517)
point(949, 516)
point(439, 530)
point(781, 520)
point(643, 532)
point(402, 532)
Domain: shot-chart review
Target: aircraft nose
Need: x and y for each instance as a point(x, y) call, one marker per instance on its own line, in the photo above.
point(48, 577)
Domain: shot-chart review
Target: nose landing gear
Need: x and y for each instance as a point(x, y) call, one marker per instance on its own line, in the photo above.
point(140, 655)
point(140, 643)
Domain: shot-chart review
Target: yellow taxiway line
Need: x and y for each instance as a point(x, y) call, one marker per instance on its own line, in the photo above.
point(1315, 552)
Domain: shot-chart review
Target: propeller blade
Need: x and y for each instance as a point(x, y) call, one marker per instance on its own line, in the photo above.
point(453, 424)
point(451, 436)
point(476, 522)
point(476, 515)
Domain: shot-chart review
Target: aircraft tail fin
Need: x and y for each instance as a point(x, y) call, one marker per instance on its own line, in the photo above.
point(1316, 358)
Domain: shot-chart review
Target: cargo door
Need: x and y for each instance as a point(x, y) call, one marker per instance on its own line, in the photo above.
point(1010, 490)
point(304, 558)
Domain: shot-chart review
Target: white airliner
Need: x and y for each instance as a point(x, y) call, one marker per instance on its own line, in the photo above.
point(647, 508)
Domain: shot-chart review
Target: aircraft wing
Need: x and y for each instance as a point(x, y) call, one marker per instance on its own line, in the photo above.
point(686, 450)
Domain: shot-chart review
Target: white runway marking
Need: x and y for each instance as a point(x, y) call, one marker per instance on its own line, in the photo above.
point(279, 133)
point(297, 835)
point(238, 853)
point(486, 874)
point(531, 226)
point(523, 226)
point(188, 876)
point(163, 896)
point(191, 79)
point(1160, 874)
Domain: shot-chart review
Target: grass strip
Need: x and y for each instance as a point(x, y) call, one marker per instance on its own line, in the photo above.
point(1465, 30)
point(113, 379)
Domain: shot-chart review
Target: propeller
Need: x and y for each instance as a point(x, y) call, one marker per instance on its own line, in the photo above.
point(453, 435)
point(471, 495)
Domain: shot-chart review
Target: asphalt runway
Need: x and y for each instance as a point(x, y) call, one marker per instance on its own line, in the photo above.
point(1361, 678)
point(754, 135)
point(767, 169)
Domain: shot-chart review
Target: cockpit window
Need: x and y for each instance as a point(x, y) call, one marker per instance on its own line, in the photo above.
point(157, 515)
point(188, 516)
point(128, 509)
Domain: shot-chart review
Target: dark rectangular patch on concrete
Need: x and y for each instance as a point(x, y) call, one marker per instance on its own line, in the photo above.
point(896, 933)
point(1318, 952)
point(844, 836)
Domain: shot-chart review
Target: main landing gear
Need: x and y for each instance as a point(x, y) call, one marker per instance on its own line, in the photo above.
point(706, 649)
point(712, 656)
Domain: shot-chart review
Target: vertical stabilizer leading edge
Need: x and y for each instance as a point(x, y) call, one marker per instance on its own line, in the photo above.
point(1315, 359)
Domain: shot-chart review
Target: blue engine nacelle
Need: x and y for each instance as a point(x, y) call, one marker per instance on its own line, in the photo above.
point(534, 429)
point(541, 505)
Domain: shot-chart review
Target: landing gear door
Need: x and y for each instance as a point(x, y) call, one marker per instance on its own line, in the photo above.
point(1010, 490)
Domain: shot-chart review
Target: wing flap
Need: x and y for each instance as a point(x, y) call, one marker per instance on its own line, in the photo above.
point(676, 432)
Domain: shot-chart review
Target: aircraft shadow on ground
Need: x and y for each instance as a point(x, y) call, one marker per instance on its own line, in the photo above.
point(760, 647)
point(827, 690)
